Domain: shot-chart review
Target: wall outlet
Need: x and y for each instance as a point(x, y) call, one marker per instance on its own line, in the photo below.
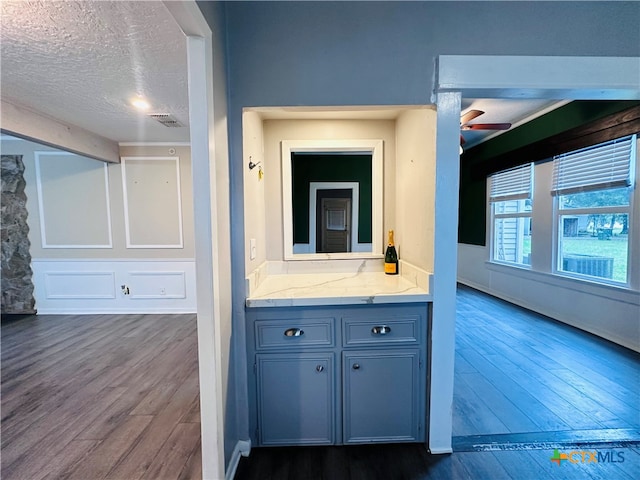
point(252, 249)
point(125, 289)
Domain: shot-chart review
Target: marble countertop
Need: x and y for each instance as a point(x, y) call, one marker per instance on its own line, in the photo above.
point(314, 289)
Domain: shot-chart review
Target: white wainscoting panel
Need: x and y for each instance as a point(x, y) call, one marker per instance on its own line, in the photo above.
point(76, 286)
point(73, 187)
point(79, 285)
point(152, 202)
point(157, 285)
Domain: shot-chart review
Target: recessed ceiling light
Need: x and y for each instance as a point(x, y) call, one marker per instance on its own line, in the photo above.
point(140, 103)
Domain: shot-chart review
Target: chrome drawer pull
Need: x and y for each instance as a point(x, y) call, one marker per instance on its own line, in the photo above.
point(319, 368)
point(381, 330)
point(293, 332)
point(356, 366)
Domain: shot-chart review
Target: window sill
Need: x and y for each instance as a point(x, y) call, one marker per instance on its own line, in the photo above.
point(520, 266)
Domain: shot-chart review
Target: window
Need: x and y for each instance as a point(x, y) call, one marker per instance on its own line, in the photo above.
point(593, 189)
point(511, 207)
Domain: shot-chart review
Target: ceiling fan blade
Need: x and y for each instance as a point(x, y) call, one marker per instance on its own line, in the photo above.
point(470, 115)
point(487, 126)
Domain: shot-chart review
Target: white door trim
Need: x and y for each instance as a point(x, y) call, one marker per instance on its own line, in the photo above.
point(206, 233)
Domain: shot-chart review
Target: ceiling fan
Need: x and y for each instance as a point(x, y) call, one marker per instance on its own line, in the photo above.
point(472, 114)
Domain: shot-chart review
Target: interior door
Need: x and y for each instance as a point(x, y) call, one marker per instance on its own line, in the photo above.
point(335, 225)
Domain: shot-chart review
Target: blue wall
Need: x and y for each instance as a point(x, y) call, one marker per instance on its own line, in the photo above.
point(334, 53)
point(377, 53)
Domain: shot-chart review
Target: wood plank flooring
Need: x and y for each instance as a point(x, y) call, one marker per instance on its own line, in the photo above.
point(92, 397)
point(517, 371)
point(412, 462)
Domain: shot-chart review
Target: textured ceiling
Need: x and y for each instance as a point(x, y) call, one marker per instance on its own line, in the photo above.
point(82, 61)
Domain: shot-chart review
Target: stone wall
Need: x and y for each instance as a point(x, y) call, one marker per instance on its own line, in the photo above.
point(17, 286)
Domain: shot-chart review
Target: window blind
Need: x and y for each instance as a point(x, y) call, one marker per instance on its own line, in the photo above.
point(607, 165)
point(512, 184)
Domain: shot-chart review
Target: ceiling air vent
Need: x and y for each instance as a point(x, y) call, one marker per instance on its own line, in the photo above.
point(166, 119)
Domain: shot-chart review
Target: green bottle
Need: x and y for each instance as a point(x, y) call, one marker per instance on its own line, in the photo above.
point(391, 257)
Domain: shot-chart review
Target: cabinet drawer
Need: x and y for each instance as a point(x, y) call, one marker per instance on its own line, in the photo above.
point(402, 330)
point(316, 332)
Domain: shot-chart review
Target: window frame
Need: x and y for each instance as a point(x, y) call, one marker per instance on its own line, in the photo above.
point(558, 213)
point(517, 215)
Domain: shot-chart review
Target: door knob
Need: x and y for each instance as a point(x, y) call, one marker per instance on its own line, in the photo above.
point(319, 368)
point(356, 366)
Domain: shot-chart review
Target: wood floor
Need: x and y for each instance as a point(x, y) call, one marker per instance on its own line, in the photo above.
point(100, 397)
point(516, 371)
point(412, 462)
point(116, 397)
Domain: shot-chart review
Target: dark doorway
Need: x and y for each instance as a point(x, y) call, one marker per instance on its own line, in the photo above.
point(333, 220)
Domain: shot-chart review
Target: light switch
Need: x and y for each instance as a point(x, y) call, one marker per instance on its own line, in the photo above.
point(252, 249)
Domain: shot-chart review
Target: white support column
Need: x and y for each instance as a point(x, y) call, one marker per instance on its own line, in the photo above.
point(443, 327)
point(199, 52)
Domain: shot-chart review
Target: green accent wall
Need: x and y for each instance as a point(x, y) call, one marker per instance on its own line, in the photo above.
point(484, 157)
point(307, 168)
point(571, 115)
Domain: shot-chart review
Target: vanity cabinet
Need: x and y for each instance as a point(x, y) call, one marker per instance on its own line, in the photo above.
point(337, 375)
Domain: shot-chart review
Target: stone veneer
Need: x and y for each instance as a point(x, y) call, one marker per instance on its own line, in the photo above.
point(17, 286)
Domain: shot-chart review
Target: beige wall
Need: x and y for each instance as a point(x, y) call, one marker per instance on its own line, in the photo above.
point(409, 178)
point(275, 131)
point(76, 207)
point(254, 189)
point(415, 195)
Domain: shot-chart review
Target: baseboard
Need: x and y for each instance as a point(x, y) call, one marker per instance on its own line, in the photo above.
point(440, 451)
point(472, 284)
point(242, 449)
point(115, 311)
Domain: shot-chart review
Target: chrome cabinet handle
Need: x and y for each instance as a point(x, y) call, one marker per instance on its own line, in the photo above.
point(293, 332)
point(381, 330)
point(319, 368)
point(356, 366)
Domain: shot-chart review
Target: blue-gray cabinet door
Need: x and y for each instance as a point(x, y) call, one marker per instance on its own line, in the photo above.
point(296, 399)
point(381, 396)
